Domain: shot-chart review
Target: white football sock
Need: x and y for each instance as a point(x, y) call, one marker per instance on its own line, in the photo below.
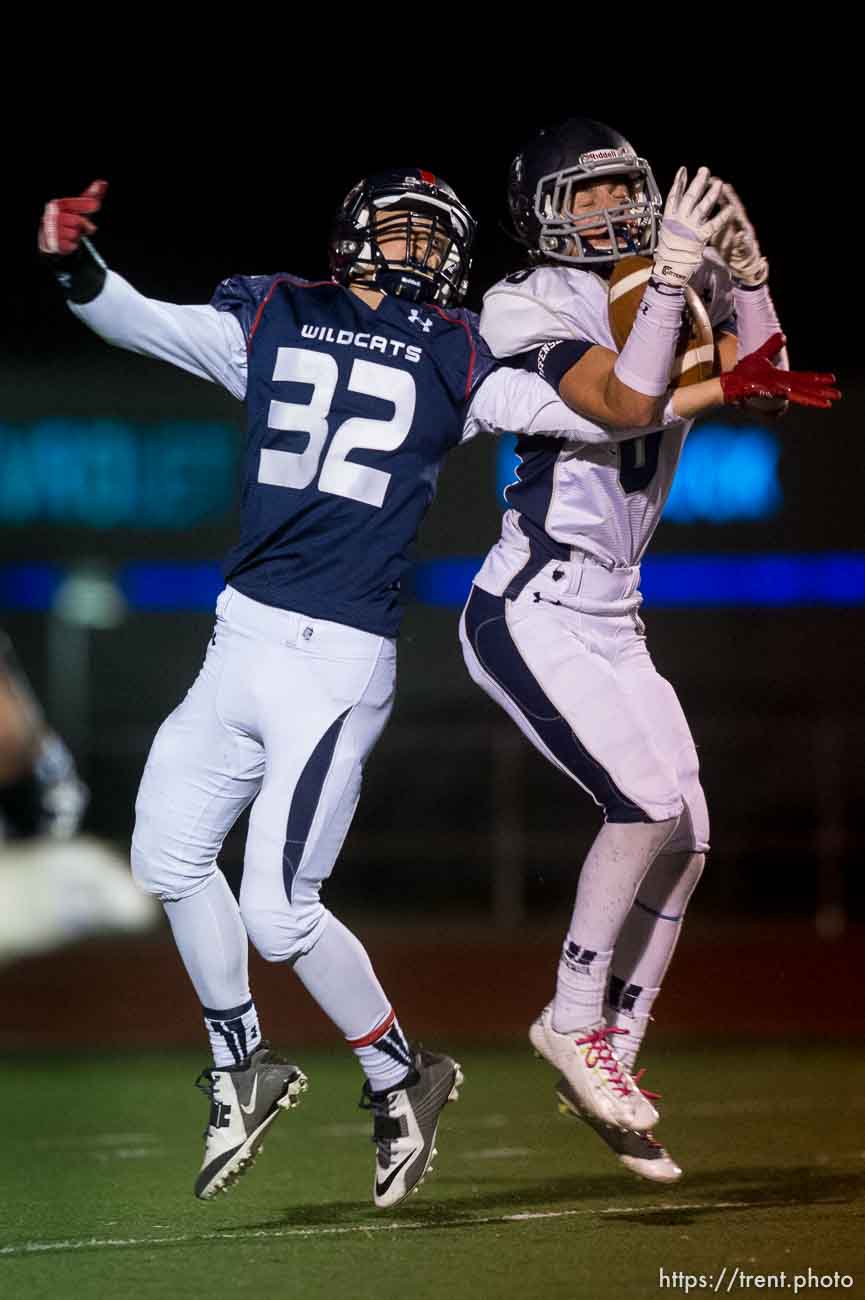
point(234, 1033)
point(610, 877)
point(384, 1054)
point(580, 983)
point(645, 947)
point(338, 974)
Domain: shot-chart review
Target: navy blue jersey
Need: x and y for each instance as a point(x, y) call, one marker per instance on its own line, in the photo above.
point(351, 410)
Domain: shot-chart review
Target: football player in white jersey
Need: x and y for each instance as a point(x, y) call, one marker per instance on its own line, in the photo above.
point(356, 388)
point(552, 630)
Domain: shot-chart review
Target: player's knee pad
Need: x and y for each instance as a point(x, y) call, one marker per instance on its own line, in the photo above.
point(288, 933)
point(692, 833)
point(162, 862)
point(641, 783)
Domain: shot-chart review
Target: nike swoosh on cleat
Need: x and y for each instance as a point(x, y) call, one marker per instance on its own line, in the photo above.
point(381, 1188)
point(247, 1110)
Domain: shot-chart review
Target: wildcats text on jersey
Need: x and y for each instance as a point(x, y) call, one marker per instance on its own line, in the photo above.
point(349, 420)
point(362, 339)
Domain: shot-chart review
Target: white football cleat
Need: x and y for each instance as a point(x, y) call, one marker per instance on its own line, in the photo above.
point(602, 1086)
point(244, 1101)
point(638, 1152)
point(405, 1123)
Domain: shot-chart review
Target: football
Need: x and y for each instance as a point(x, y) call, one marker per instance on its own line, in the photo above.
point(696, 358)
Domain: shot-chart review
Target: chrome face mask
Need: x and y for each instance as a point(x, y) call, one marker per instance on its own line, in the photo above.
point(631, 228)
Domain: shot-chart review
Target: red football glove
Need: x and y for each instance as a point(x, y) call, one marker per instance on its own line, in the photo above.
point(64, 221)
point(755, 376)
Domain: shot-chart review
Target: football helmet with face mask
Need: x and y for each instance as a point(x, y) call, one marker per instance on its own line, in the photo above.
point(546, 174)
point(421, 214)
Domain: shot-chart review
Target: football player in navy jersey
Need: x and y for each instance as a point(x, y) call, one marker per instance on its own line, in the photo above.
point(355, 387)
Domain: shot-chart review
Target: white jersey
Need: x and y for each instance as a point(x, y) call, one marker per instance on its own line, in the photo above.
point(602, 497)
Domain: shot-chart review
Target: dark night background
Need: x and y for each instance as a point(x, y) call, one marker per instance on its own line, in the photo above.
point(215, 183)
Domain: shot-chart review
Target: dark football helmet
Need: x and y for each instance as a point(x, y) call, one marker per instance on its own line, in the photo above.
point(423, 212)
point(541, 186)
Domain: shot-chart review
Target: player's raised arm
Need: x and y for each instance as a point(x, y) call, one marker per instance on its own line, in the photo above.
point(514, 401)
point(511, 400)
point(756, 316)
point(197, 338)
point(624, 390)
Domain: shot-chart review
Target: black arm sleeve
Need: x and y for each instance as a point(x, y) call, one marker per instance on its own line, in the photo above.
point(553, 360)
point(80, 275)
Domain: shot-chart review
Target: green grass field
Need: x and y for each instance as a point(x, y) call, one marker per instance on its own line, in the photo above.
point(99, 1157)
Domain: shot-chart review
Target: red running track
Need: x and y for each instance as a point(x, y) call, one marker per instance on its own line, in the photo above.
point(455, 980)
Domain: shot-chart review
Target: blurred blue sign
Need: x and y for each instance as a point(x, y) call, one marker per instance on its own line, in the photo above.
point(107, 474)
point(726, 474)
point(723, 581)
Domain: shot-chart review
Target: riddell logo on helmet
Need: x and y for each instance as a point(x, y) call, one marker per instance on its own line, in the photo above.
point(599, 155)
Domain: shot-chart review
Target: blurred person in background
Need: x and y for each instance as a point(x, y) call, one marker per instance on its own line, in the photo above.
point(56, 884)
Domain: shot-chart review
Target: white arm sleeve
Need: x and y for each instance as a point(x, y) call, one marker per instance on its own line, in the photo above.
point(200, 339)
point(514, 401)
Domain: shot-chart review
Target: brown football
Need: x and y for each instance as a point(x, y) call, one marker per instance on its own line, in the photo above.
point(696, 357)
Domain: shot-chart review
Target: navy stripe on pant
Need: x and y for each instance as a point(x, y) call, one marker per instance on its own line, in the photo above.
point(307, 793)
point(490, 638)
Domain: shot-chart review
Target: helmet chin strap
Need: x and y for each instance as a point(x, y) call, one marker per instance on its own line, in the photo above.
point(406, 284)
point(625, 244)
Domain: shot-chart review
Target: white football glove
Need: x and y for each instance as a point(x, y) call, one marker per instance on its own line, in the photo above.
point(686, 227)
point(737, 244)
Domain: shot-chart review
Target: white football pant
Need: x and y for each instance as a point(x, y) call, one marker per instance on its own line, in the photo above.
point(566, 658)
point(285, 710)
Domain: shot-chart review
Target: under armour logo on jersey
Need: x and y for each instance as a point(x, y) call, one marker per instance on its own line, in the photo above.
point(415, 319)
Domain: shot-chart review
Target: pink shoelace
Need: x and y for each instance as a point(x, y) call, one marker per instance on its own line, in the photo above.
point(600, 1053)
point(650, 1096)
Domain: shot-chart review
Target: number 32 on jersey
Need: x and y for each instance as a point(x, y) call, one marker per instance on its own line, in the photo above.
point(336, 474)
